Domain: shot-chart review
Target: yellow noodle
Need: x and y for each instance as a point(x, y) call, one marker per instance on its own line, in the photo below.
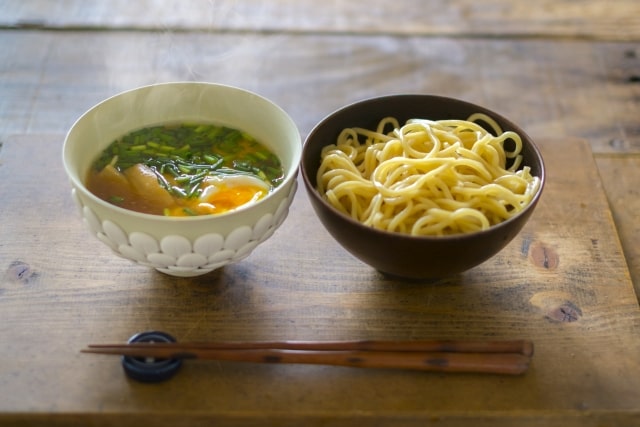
point(427, 177)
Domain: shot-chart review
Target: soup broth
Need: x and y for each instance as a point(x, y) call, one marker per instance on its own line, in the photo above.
point(184, 170)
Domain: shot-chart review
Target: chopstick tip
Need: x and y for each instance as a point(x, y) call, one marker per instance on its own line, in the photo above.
point(528, 348)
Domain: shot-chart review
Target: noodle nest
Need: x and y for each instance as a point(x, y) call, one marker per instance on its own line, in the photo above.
point(427, 178)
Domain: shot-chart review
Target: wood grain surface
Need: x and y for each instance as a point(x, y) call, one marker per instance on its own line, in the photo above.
point(620, 176)
point(567, 71)
point(559, 87)
point(591, 19)
point(563, 282)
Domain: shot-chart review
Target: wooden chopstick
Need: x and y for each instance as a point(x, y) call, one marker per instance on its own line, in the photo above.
point(497, 357)
point(523, 347)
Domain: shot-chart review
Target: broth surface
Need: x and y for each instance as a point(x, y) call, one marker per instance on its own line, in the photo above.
point(184, 170)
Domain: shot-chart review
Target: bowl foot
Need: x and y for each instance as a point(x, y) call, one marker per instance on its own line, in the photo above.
point(184, 273)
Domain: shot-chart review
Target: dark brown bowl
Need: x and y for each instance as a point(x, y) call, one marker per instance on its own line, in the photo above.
point(398, 254)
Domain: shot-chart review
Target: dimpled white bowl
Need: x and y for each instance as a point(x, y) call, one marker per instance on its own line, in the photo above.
point(182, 246)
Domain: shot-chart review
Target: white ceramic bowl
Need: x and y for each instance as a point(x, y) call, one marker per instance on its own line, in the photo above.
point(182, 246)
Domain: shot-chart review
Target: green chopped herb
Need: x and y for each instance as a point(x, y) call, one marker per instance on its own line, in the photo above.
point(183, 155)
point(189, 212)
point(116, 199)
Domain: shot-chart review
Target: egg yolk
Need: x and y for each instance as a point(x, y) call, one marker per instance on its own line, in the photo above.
point(224, 199)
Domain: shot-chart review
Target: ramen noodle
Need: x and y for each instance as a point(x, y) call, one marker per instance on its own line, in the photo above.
point(427, 177)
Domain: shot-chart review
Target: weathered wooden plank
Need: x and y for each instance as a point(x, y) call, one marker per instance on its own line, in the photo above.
point(560, 68)
point(580, 310)
point(593, 19)
point(569, 88)
point(621, 177)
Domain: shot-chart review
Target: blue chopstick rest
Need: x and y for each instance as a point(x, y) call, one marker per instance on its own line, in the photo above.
point(149, 370)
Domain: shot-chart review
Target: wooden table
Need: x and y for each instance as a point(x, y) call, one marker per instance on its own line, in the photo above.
point(569, 74)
